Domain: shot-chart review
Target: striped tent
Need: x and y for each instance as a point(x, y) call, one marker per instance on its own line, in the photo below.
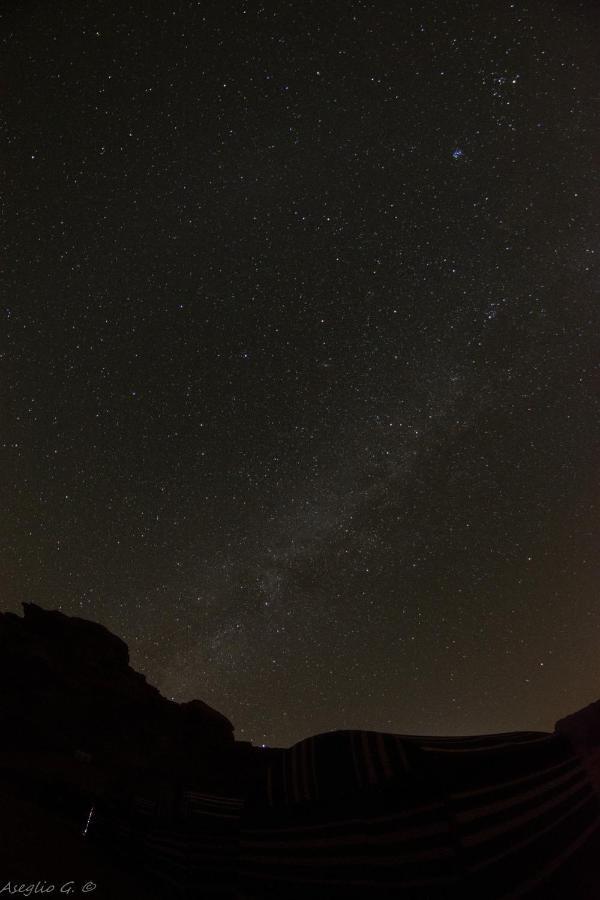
point(354, 814)
point(185, 841)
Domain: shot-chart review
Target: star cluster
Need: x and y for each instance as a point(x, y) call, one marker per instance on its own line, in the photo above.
point(299, 352)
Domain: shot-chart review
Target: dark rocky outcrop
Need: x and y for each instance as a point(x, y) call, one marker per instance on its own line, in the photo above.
point(68, 687)
point(79, 725)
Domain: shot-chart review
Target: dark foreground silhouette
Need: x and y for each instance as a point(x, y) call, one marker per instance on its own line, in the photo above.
point(108, 789)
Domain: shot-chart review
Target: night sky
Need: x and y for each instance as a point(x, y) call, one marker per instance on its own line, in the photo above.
point(299, 352)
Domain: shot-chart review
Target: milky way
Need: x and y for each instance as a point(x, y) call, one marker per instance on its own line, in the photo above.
point(299, 353)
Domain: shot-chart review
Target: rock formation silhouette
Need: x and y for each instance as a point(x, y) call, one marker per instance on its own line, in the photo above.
point(78, 724)
point(68, 686)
